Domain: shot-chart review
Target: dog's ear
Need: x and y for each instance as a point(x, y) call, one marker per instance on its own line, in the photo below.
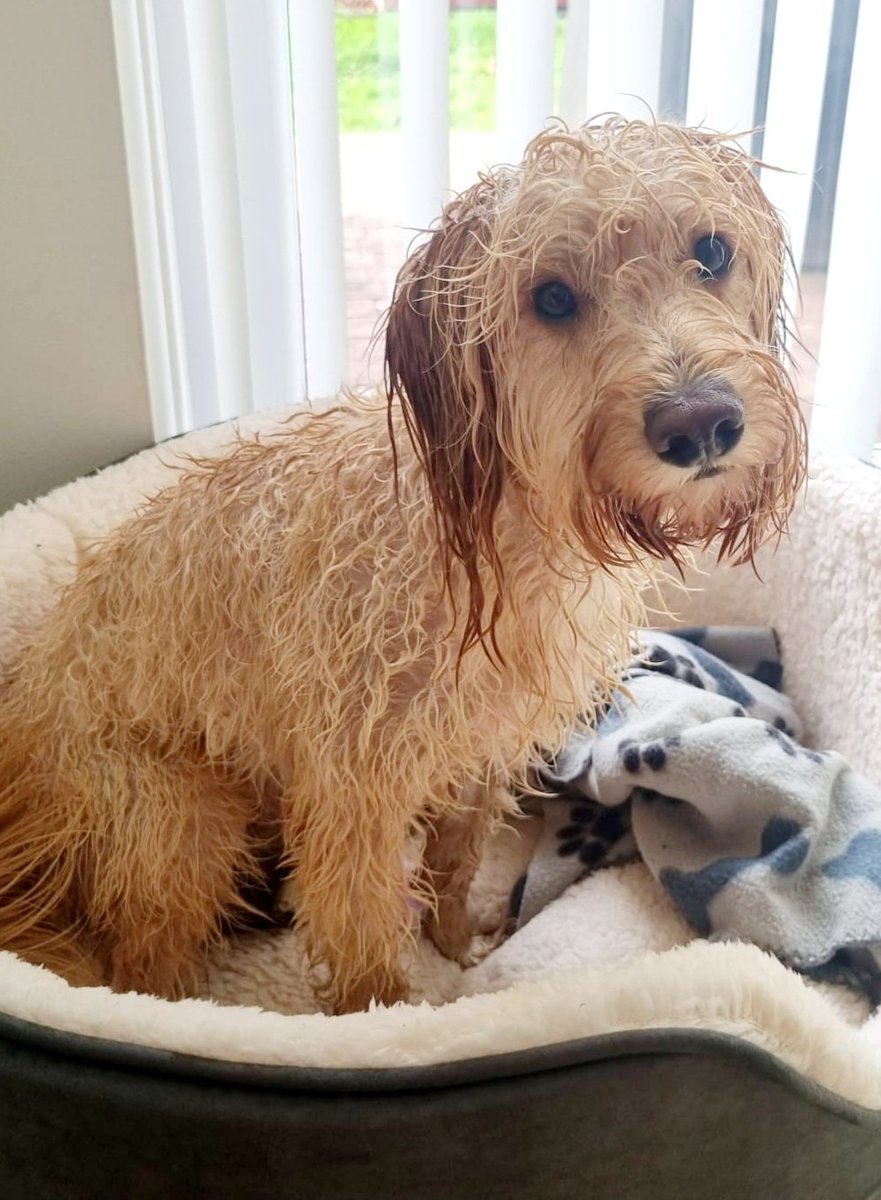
point(440, 368)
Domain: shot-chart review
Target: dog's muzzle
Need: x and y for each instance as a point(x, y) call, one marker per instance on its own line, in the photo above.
point(695, 426)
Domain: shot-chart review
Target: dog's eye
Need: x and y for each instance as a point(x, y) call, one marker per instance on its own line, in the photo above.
point(554, 301)
point(714, 255)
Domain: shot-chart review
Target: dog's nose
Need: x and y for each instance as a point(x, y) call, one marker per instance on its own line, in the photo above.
point(698, 424)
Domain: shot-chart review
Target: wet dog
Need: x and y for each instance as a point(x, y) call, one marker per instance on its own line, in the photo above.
point(364, 625)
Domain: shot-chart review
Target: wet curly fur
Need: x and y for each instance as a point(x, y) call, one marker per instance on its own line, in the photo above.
point(365, 624)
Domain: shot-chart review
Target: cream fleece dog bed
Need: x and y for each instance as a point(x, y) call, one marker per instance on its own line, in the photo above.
point(611, 955)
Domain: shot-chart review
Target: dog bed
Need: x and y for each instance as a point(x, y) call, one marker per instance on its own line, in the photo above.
point(603, 1048)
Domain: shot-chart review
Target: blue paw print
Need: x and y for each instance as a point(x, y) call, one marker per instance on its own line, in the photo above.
point(861, 859)
point(784, 849)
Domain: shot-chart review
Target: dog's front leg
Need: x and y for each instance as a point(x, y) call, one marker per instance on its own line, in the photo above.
point(453, 850)
point(351, 888)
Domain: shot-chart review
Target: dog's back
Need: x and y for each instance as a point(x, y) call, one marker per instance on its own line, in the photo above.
point(275, 625)
point(176, 682)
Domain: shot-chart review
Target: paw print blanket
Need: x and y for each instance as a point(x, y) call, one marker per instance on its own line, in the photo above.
point(697, 767)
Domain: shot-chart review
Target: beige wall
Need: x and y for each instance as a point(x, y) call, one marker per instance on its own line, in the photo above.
point(73, 390)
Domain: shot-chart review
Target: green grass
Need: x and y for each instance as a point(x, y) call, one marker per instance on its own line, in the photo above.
point(369, 82)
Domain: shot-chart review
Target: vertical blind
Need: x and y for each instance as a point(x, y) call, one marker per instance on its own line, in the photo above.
point(230, 111)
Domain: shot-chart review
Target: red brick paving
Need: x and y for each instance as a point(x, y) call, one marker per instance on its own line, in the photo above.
point(373, 255)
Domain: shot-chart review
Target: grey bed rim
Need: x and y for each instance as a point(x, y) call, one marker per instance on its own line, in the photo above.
point(174, 1065)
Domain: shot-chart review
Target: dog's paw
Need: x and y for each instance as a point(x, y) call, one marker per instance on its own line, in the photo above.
point(449, 931)
point(457, 943)
point(480, 947)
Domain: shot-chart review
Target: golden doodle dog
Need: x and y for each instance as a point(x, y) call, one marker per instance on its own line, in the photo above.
point(363, 625)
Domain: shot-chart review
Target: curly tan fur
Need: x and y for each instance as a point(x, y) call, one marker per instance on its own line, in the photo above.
point(368, 622)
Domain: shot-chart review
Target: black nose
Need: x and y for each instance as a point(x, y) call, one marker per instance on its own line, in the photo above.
point(699, 423)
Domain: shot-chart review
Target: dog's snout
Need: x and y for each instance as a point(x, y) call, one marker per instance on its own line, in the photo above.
point(696, 425)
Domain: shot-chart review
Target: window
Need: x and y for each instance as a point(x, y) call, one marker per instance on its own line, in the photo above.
point(270, 231)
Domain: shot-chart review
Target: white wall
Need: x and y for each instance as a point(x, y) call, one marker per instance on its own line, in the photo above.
point(73, 389)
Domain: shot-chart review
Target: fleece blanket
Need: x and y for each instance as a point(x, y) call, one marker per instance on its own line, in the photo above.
point(613, 952)
point(698, 770)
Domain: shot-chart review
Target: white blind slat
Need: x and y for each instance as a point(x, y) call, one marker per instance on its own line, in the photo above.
point(186, 178)
point(573, 92)
point(848, 394)
point(795, 103)
point(152, 217)
point(264, 143)
point(316, 128)
point(525, 43)
point(726, 36)
point(624, 58)
point(425, 106)
point(218, 187)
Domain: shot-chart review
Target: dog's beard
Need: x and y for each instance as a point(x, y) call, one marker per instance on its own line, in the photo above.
point(734, 507)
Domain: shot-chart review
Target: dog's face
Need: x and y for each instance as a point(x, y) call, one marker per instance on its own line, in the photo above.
point(601, 328)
